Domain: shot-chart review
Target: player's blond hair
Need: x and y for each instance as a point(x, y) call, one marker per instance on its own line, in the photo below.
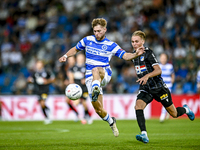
point(99, 21)
point(139, 33)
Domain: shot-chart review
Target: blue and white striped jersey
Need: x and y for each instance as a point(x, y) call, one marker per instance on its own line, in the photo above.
point(98, 53)
point(167, 71)
point(198, 76)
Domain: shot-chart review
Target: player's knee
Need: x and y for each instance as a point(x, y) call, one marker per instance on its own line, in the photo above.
point(95, 70)
point(98, 111)
point(140, 105)
point(137, 107)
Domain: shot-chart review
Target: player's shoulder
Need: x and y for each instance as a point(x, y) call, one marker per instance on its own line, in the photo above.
point(147, 49)
point(198, 73)
point(169, 65)
point(89, 38)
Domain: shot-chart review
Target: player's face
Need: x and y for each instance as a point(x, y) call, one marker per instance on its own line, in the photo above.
point(39, 65)
point(137, 42)
point(99, 32)
point(163, 59)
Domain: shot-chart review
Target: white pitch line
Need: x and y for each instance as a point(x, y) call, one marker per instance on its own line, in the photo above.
point(37, 129)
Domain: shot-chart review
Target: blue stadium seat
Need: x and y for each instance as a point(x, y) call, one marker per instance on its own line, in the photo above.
point(2, 78)
point(133, 88)
point(68, 28)
point(174, 88)
point(195, 88)
point(187, 88)
point(25, 72)
point(45, 36)
point(51, 89)
point(62, 20)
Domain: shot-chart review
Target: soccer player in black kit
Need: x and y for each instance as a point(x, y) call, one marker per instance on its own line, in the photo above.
point(151, 86)
point(41, 79)
point(76, 74)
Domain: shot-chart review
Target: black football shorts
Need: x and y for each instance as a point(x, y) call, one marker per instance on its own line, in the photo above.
point(161, 95)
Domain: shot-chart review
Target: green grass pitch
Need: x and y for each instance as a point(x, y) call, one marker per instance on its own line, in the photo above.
point(174, 134)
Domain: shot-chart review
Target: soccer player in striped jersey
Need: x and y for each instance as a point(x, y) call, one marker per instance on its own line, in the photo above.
point(98, 51)
point(168, 77)
point(152, 86)
point(198, 81)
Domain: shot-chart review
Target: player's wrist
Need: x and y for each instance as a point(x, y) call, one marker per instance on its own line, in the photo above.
point(65, 55)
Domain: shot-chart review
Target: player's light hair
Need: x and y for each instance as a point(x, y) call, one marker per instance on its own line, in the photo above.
point(99, 21)
point(139, 33)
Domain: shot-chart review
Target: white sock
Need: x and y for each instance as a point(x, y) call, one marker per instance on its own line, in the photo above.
point(95, 83)
point(187, 111)
point(163, 111)
point(144, 132)
point(108, 119)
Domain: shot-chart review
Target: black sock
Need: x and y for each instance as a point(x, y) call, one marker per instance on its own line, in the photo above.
point(86, 114)
point(73, 109)
point(44, 111)
point(180, 111)
point(141, 119)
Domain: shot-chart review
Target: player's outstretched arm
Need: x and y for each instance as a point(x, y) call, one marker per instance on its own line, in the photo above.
point(129, 56)
point(70, 53)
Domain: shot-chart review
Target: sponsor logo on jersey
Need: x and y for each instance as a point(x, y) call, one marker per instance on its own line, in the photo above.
point(104, 47)
point(140, 69)
point(143, 68)
point(164, 96)
point(142, 58)
point(95, 51)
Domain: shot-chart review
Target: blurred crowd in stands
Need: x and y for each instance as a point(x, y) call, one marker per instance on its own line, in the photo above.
point(46, 29)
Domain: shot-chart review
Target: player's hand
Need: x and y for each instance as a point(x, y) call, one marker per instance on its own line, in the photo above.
point(62, 59)
point(140, 51)
point(143, 80)
point(30, 79)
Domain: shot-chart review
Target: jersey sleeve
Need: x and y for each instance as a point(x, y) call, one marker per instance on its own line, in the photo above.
point(152, 59)
point(118, 51)
point(171, 69)
point(198, 76)
point(50, 75)
point(81, 44)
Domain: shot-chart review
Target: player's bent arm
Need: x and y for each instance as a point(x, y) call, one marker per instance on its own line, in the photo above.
point(198, 87)
point(50, 80)
point(130, 56)
point(157, 71)
point(70, 53)
point(30, 80)
point(173, 78)
point(70, 76)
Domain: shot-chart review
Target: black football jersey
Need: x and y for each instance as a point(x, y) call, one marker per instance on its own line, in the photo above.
point(144, 65)
point(38, 85)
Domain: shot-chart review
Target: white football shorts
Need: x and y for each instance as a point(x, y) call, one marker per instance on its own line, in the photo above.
point(104, 82)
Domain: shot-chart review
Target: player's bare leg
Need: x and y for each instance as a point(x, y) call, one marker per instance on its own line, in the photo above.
point(87, 113)
point(45, 109)
point(98, 75)
point(68, 101)
point(179, 111)
point(98, 106)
